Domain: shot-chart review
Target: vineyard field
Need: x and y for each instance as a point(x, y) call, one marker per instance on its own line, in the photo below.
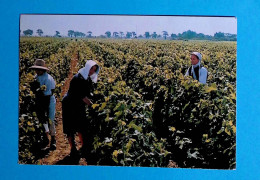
point(145, 111)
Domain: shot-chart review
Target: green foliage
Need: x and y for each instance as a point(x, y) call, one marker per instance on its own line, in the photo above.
point(30, 138)
point(28, 32)
point(39, 32)
point(187, 115)
point(57, 55)
point(201, 122)
point(122, 125)
point(145, 110)
point(108, 34)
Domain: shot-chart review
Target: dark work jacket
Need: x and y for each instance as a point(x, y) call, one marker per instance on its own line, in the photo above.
point(73, 106)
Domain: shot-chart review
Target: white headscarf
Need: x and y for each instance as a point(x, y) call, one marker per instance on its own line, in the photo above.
point(85, 71)
point(196, 65)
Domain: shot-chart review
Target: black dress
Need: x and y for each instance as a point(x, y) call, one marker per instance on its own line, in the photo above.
point(73, 108)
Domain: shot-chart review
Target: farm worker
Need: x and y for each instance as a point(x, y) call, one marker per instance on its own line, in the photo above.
point(43, 87)
point(196, 70)
point(74, 105)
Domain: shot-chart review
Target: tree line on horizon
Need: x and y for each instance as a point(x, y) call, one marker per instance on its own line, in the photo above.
point(186, 35)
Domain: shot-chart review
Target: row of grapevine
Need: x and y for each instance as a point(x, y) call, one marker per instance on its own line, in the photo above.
point(149, 112)
point(57, 54)
point(145, 110)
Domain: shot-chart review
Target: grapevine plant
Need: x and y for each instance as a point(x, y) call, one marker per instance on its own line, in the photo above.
point(145, 111)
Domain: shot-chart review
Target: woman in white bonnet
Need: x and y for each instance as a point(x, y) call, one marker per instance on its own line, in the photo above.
point(74, 104)
point(196, 70)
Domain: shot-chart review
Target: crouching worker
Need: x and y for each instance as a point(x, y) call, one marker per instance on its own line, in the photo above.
point(74, 107)
point(196, 70)
point(45, 102)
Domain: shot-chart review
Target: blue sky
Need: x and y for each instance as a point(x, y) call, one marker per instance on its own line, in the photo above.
point(99, 24)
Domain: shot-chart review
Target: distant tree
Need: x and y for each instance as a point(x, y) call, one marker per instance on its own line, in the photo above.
point(173, 36)
point(79, 34)
point(188, 34)
point(128, 35)
point(57, 34)
point(219, 35)
point(140, 36)
point(165, 34)
point(108, 33)
point(115, 34)
point(70, 33)
point(28, 32)
point(39, 32)
point(147, 35)
point(89, 33)
point(200, 36)
point(230, 37)
point(208, 37)
point(121, 34)
point(76, 33)
point(154, 35)
point(134, 35)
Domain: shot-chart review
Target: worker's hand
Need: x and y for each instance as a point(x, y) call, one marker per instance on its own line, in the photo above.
point(87, 101)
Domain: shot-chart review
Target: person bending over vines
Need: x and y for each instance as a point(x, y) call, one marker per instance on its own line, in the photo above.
point(74, 108)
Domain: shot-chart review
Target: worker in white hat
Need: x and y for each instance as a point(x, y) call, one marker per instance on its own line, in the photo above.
point(196, 70)
point(43, 87)
point(74, 108)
